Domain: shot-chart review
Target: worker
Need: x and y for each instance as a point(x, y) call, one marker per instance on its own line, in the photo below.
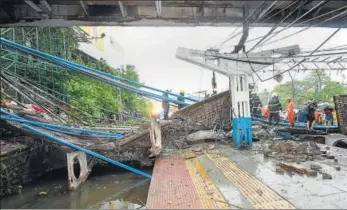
point(311, 109)
point(214, 84)
point(165, 106)
point(291, 113)
point(181, 98)
point(254, 102)
point(265, 113)
point(259, 111)
point(329, 118)
point(274, 107)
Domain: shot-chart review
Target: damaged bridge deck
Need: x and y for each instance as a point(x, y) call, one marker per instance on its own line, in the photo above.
point(227, 178)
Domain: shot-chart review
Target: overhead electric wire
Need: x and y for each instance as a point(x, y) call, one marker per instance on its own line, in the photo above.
point(275, 26)
point(306, 28)
point(292, 23)
point(325, 41)
point(265, 16)
point(298, 24)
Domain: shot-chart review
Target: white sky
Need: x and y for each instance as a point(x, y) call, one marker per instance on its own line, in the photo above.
point(152, 50)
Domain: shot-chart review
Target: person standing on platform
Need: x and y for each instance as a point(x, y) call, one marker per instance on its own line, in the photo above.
point(291, 113)
point(165, 106)
point(274, 107)
point(181, 98)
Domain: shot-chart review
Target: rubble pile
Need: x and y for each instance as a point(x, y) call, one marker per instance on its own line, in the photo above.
point(180, 133)
point(291, 151)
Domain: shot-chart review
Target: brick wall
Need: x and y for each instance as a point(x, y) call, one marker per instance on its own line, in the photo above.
point(213, 110)
point(341, 112)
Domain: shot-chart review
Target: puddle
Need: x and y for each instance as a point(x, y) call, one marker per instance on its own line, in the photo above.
point(105, 190)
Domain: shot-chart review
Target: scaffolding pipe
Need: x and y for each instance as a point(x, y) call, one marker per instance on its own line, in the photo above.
point(15, 118)
point(75, 65)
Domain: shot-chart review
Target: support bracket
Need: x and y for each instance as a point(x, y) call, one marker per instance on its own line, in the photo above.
point(85, 169)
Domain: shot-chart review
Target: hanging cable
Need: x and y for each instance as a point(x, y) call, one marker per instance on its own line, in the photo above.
point(275, 26)
point(306, 28)
point(320, 4)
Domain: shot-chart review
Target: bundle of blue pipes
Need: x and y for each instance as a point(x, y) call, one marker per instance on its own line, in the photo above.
point(25, 125)
point(59, 128)
point(99, 75)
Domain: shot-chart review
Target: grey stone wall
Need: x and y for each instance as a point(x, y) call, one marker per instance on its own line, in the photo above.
point(341, 108)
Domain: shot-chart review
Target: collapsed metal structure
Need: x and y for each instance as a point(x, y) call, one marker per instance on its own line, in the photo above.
point(163, 13)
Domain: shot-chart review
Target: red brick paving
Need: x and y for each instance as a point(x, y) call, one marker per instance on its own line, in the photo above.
point(171, 186)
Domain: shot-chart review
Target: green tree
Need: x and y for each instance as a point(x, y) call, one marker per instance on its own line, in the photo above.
point(315, 85)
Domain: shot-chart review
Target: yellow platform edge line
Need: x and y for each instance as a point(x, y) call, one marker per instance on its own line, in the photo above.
point(259, 195)
point(209, 195)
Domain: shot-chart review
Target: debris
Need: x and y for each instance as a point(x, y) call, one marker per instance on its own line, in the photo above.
point(311, 173)
point(43, 193)
point(330, 156)
point(204, 135)
point(338, 168)
point(327, 148)
point(189, 156)
point(290, 168)
point(196, 149)
point(326, 176)
point(279, 170)
point(291, 151)
point(315, 167)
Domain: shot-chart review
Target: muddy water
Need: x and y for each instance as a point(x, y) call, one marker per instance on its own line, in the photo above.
point(104, 189)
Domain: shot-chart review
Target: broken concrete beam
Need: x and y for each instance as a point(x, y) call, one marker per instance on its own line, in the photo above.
point(311, 173)
point(315, 167)
point(290, 168)
point(326, 176)
point(203, 135)
point(280, 170)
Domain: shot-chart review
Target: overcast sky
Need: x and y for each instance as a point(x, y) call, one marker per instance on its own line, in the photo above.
point(152, 50)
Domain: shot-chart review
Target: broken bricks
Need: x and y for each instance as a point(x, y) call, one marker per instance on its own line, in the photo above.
point(290, 168)
point(326, 176)
point(315, 167)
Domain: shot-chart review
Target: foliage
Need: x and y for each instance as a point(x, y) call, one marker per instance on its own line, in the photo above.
point(315, 85)
point(94, 97)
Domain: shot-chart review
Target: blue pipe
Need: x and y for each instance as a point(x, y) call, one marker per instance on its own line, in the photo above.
point(84, 135)
point(51, 126)
point(113, 83)
point(22, 120)
point(299, 125)
point(94, 154)
point(63, 61)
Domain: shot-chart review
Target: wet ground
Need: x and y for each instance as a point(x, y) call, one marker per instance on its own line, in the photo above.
point(106, 188)
point(247, 179)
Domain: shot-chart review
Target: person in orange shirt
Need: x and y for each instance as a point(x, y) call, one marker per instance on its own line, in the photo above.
point(265, 113)
point(291, 113)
